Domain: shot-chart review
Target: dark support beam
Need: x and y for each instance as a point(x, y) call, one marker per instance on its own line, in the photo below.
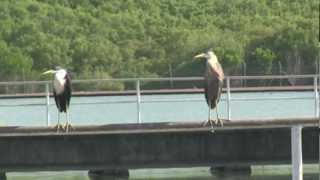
point(224, 171)
point(108, 173)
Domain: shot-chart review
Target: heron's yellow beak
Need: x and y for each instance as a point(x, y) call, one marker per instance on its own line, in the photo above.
point(202, 55)
point(49, 72)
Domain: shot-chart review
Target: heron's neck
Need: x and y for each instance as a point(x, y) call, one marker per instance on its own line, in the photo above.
point(212, 61)
point(59, 81)
point(60, 76)
point(215, 68)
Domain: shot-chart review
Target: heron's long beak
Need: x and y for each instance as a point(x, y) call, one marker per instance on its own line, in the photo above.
point(51, 71)
point(202, 55)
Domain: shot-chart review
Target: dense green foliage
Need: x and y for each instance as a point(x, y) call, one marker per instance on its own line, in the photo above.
point(143, 38)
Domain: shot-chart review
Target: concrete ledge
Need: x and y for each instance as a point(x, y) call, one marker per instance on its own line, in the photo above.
point(154, 145)
point(165, 127)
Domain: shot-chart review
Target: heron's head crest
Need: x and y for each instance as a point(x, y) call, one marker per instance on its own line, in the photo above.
point(209, 55)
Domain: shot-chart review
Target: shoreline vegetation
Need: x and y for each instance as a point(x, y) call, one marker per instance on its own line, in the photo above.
point(157, 38)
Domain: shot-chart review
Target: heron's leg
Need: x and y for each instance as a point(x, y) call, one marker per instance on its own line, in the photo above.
point(209, 118)
point(58, 126)
point(68, 124)
point(219, 121)
point(209, 114)
point(209, 121)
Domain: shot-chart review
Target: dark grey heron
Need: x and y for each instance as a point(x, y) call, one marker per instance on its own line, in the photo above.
point(62, 94)
point(213, 82)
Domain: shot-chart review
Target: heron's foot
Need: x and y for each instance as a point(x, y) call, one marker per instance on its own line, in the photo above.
point(68, 127)
point(219, 122)
point(213, 123)
point(209, 122)
point(58, 127)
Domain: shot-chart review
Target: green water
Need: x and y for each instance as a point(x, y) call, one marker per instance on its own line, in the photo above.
point(105, 110)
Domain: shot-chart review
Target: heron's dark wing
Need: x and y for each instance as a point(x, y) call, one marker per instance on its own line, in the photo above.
point(57, 100)
point(213, 87)
point(68, 90)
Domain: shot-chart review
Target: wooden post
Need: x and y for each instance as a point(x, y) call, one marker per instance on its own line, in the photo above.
point(296, 153)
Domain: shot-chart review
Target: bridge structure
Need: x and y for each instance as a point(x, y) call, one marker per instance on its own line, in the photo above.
point(240, 142)
point(161, 145)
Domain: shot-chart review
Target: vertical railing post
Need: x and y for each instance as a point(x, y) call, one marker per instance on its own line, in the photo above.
point(48, 103)
point(316, 97)
point(138, 101)
point(296, 152)
point(228, 98)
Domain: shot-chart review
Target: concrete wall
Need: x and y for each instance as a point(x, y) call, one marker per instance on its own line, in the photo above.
point(151, 149)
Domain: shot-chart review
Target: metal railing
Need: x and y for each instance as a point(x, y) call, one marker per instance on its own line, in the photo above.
point(139, 100)
point(296, 130)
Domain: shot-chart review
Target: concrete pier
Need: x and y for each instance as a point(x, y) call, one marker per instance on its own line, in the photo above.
point(154, 145)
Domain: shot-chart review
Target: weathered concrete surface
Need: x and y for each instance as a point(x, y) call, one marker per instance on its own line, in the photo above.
point(156, 145)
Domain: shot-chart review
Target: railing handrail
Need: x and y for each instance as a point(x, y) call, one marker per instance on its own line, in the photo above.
point(165, 100)
point(273, 77)
point(154, 79)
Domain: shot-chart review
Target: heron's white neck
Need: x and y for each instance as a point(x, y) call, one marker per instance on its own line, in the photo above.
point(213, 60)
point(59, 81)
point(215, 67)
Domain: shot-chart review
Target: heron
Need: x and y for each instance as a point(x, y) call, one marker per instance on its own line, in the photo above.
point(213, 82)
point(62, 94)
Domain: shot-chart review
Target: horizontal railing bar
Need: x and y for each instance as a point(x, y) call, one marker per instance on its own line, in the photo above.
point(270, 98)
point(17, 105)
point(86, 103)
point(162, 91)
point(165, 79)
point(234, 98)
point(224, 99)
point(143, 79)
point(164, 100)
point(24, 82)
point(273, 77)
